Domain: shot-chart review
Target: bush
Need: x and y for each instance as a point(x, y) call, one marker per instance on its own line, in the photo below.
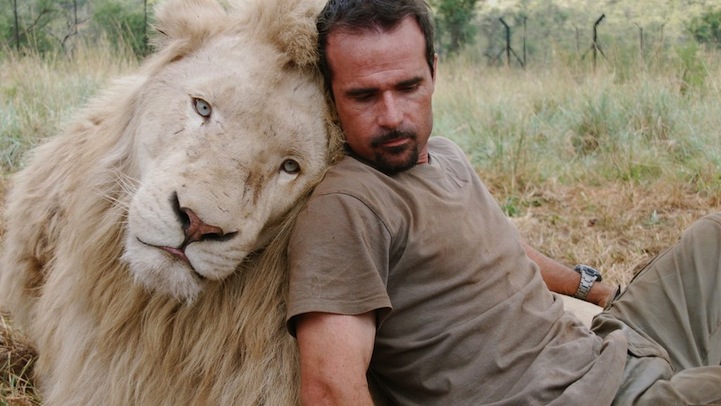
point(706, 28)
point(35, 26)
point(453, 20)
point(117, 20)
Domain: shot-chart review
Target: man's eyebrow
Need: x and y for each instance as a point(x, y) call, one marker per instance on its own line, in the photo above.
point(410, 82)
point(361, 91)
point(364, 91)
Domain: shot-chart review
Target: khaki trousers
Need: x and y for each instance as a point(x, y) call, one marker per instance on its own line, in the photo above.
point(671, 314)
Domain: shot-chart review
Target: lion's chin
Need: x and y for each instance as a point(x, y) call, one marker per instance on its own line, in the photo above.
point(164, 274)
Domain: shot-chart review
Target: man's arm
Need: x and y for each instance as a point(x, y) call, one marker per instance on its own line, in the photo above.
point(335, 351)
point(564, 280)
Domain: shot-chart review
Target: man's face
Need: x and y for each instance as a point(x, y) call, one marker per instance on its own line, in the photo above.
point(382, 86)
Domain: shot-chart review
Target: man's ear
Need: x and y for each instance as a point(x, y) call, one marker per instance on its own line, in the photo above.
point(435, 66)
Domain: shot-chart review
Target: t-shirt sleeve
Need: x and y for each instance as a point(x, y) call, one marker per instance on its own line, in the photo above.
point(338, 256)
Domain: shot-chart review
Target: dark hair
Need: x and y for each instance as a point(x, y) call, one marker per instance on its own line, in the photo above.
point(362, 15)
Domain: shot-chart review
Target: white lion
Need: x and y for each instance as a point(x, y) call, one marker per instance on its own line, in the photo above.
point(144, 247)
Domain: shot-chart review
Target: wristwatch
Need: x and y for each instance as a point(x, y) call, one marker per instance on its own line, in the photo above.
point(589, 275)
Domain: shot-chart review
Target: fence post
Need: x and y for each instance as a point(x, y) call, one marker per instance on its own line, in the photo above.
point(145, 26)
point(509, 50)
point(596, 47)
point(524, 40)
point(508, 41)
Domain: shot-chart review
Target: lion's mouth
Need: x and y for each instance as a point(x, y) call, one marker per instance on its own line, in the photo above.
point(177, 253)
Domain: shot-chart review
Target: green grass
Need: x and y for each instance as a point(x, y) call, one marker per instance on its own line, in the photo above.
point(558, 124)
point(38, 94)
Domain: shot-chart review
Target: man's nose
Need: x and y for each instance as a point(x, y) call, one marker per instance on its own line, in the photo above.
point(390, 115)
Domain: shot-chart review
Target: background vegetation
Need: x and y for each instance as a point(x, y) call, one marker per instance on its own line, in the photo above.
point(62, 25)
point(601, 163)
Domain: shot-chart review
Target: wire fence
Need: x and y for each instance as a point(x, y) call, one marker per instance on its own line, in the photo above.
point(522, 41)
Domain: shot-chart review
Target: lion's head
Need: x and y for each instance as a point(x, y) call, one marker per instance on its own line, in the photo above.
point(230, 130)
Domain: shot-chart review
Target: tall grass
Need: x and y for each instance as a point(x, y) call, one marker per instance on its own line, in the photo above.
point(556, 123)
point(39, 93)
point(604, 166)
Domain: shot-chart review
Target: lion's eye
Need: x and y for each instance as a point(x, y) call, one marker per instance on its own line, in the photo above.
point(290, 166)
point(202, 107)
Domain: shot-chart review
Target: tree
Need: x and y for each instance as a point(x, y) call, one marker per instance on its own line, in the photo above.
point(122, 22)
point(33, 25)
point(454, 23)
point(41, 25)
point(706, 28)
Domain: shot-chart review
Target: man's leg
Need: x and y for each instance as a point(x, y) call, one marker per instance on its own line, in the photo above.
point(671, 312)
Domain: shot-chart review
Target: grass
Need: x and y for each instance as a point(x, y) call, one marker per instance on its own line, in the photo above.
point(38, 94)
point(599, 168)
point(605, 167)
point(16, 363)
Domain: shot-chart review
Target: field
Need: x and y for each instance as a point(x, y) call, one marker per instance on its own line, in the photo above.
point(603, 167)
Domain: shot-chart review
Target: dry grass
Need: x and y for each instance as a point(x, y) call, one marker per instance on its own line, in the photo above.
point(616, 227)
point(38, 94)
point(16, 363)
point(16, 358)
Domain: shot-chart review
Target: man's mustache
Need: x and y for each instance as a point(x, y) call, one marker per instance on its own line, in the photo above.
point(391, 136)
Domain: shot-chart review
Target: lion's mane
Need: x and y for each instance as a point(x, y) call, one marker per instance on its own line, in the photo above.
point(104, 338)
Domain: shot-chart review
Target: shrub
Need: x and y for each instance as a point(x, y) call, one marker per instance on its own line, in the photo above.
point(706, 28)
point(119, 21)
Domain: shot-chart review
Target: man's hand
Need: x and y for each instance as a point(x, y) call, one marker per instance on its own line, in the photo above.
point(335, 351)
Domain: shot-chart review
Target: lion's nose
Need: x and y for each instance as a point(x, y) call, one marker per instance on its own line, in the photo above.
point(196, 229)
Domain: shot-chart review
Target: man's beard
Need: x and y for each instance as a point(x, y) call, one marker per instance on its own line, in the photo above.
point(391, 160)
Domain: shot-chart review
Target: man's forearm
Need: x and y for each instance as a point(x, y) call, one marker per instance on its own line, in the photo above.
point(564, 280)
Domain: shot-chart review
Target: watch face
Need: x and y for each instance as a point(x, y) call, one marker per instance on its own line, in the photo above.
point(587, 270)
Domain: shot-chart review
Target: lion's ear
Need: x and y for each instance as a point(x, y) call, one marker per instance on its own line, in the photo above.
point(186, 24)
point(290, 25)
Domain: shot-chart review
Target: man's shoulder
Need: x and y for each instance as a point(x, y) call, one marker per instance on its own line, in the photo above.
point(349, 176)
point(442, 147)
point(443, 144)
point(450, 155)
point(350, 167)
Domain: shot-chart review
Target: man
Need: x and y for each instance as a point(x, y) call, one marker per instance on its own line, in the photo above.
point(405, 272)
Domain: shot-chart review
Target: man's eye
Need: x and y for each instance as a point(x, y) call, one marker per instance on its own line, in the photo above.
point(363, 97)
point(410, 88)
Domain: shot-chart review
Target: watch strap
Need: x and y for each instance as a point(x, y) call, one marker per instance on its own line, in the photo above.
point(589, 276)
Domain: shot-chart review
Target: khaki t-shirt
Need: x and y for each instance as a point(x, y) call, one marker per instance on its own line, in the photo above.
point(464, 317)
